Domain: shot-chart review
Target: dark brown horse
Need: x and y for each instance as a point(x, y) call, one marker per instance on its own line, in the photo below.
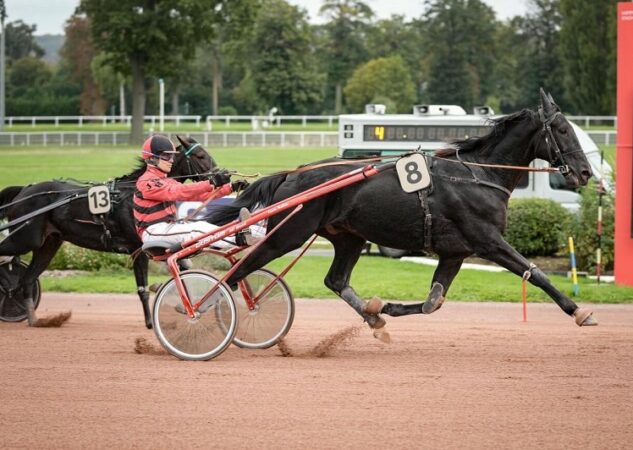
point(464, 214)
point(44, 233)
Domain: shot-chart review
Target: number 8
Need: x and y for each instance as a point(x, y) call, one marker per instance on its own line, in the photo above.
point(413, 174)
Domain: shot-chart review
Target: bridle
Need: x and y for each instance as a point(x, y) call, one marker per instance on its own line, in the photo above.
point(551, 144)
point(191, 168)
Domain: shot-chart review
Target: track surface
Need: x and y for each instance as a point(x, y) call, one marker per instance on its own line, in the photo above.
point(468, 376)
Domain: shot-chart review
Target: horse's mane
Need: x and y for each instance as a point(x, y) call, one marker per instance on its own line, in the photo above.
point(490, 140)
point(135, 174)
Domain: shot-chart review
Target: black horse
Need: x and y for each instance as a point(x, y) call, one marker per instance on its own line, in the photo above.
point(464, 214)
point(113, 232)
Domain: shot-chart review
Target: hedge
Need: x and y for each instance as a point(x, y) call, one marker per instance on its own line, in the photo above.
point(537, 227)
point(584, 229)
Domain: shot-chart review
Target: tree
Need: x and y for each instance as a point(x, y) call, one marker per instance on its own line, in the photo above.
point(346, 41)
point(379, 81)
point(33, 88)
point(149, 38)
point(20, 42)
point(460, 35)
point(395, 36)
point(77, 54)
point(235, 26)
point(282, 63)
point(536, 49)
point(27, 73)
point(588, 48)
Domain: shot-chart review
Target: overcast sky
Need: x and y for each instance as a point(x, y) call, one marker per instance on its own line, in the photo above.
point(50, 15)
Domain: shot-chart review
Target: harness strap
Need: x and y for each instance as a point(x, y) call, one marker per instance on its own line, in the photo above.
point(42, 210)
point(192, 148)
point(428, 219)
point(475, 181)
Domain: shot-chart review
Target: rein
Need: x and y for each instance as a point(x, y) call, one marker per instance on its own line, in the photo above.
point(497, 166)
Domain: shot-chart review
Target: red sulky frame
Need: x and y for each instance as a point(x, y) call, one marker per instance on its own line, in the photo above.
point(296, 201)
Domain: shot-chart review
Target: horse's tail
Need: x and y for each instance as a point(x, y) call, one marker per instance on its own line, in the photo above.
point(6, 195)
point(260, 193)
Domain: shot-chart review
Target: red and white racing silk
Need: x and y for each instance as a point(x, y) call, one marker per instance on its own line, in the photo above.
point(156, 195)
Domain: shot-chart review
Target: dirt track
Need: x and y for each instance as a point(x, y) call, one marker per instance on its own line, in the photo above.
point(468, 376)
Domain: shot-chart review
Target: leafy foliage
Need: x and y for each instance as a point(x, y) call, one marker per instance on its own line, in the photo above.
point(150, 40)
point(70, 257)
point(77, 55)
point(460, 35)
point(382, 78)
point(212, 54)
point(33, 86)
point(344, 44)
point(588, 54)
point(535, 47)
point(537, 226)
point(20, 42)
point(283, 67)
point(584, 229)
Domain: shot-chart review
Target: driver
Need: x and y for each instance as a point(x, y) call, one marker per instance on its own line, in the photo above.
point(154, 200)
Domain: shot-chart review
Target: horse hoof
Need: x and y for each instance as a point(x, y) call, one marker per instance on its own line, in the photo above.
point(584, 318)
point(376, 324)
point(432, 304)
point(382, 335)
point(374, 307)
point(435, 299)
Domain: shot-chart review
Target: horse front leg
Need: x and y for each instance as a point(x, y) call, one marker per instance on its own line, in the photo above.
point(443, 277)
point(502, 253)
point(40, 261)
point(141, 268)
point(347, 250)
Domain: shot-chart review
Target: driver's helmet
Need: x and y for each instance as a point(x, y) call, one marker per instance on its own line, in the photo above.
point(157, 145)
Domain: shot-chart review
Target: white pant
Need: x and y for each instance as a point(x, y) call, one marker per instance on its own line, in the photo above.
point(176, 232)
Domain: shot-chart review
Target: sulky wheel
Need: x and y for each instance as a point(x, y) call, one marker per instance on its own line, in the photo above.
point(12, 307)
point(204, 336)
point(272, 316)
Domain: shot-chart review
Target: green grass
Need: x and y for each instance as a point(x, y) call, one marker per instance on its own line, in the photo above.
point(23, 165)
point(373, 276)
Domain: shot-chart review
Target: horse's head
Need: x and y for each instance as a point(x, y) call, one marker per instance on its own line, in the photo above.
point(192, 159)
point(560, 146)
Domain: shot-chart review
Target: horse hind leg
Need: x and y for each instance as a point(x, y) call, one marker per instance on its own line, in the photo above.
point(347, 250)
point(443, 277)
point(41, 258)
point(433, 302)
